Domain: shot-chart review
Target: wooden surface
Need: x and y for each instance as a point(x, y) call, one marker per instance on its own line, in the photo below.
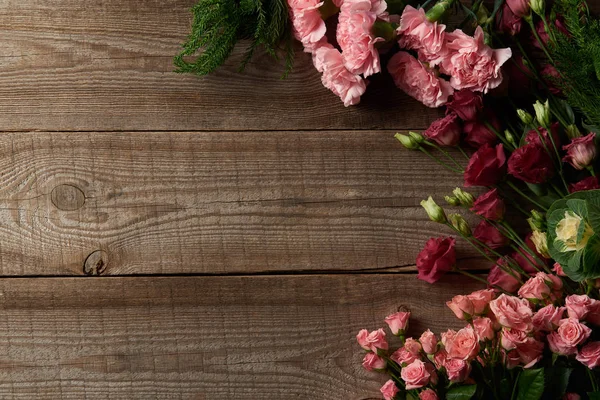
point(243, 228)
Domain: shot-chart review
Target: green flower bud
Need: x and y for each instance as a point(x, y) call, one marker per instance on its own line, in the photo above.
point(572, 131)
point(525, 117)
point(451, 200)
point(417, 136)
point(542, 113)
point(435, 212)
point(459, 223)
point(466, 199)
point(510, 138)
point(537, 222)
point(538, 7)
point(407, 141)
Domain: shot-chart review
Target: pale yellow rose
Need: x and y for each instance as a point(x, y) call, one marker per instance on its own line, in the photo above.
point(566, 232)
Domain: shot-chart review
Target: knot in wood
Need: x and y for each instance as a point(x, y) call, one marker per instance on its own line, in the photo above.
point(95, 263)
point(67, 197)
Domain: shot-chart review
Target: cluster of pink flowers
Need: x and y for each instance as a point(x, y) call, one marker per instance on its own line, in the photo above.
point(513, 331)
point(467, 61)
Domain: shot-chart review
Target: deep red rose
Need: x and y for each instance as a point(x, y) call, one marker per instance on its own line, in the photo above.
point(465, 104)
point(489, 205)
point(550, 75)
point(533, 137)
point(490, 235)
point(531, 163)
point(486, 166)
point(444, 131)
point(589, 183)
point(508, 22)
point(437, 258)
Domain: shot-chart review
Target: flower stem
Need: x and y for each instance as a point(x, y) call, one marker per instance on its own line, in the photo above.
point(442, 163)
point(519, 191)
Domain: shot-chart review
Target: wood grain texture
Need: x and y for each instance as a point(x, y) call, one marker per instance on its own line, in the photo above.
point(107, 65)
point(213, 203)
point(204, 337)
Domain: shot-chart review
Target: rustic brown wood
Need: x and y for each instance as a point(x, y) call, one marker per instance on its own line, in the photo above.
point(203, 338)
point(90, 65)
point(214, 203)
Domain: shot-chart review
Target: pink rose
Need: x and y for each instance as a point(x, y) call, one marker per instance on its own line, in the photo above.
point(372, 341)
point(589, 355)
point(536, 288)
point(558, 270)
point(465, 104)
point(519, 7)
point(581, 151)
point(354, 36)
point(372, 362)
point(512, 359)
point(530, 352)
point(589, 183)
point(417, 81)
point(440, 358)
point(407, 353)
point(486, 166)
point(499, 277)
point(481, 299)
point(428, 394)
point(457, 370)
point(546, 318)
point(471, 63)
point(444, 131)
point(389, 390)
point(398, 322)
point(484, 328)
point(416, 32)
point(490, 235)
point(429, 342)
point(461, 306)
point(593, 316)
point(508, 22)
point(415, 375)
point(512, 337)
point(308, 26)
point(447, 337)
point(348, 86)
point(512, 312)
point(464, 345)
point(478, 134)
point(569, 335)
point(489, 205)
point(437, 258)
point(578, 306)
point(413, 346)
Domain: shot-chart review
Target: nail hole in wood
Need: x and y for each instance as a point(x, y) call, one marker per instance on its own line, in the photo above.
point(95, 263)
point(67, 197)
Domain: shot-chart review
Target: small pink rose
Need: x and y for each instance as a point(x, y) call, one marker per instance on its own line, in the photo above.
point(440, 358)
point(398, 322)
point(512, 312)
point(428, 394)
point(429, 342)
point(512, 359)
point(462, 307)
point(415, 375)
point(593, 316)
point(458, 370)
point(372, 341)
point(558, 270)
point(481, 300)
point(530, 351)
point(484, 328)
point(589, 355)
point(407, 353)
point(546, 318)
point(536, 288)
point(389, 390)
point(579, 306)
point(512, 337)
point(464, 345)
point(569, 335)
point(372, 362)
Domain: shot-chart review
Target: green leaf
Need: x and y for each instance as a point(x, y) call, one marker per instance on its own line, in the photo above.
point(461, 392)
point(594, 395)
point(591, 258)
point(557, 379)
point(531, 384)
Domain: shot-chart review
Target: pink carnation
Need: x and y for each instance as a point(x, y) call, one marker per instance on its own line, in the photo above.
point(355, 38)
point(309, 27)
point(417, 81)
point(471, 63)
point(416, 32)
point(348, 86)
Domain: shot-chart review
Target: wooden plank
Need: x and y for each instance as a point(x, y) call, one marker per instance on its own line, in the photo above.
point(107, 65)
point(213, 203)
point(203, 338)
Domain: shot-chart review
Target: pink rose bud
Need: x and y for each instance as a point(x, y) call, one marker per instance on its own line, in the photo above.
point(558, 270)
point(489, 205)
point(415, 375)
point(512, 312)
point(536, 288)
point(484, 328)
point(398, 322)
point(372, 341)
point(466, 104)
point(589, 355)
point(578, 306)
point(569, 335)
point(546, 318)
point(440, 358)
point(389, 390)
point(428, 394)
point(447, 337)
point(581, 151)
point(481, 300)
point(444, 131)
point(464, 345)
point(462, 307)
point(457, 370)
point(429, 342)
point(361, 338)
point(407, 353)
point(372, 362)
point(593, 316)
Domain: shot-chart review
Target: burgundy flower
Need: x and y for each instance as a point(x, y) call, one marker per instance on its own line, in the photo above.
point(437, 258)
point(479, 134)
point(531, 163)
point(519, 77)
point(519, 7)
point(444, 131)
point(550, 75)
point(486, 166)
point(465, 104)
point(489, 205)
point(559, 22)
point(533, 136)
point(589, 183)
point(508, 22)
point(499, 277)
point(490, 235)
point(581, 151)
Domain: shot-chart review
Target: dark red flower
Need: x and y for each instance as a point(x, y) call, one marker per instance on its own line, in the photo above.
point(444, 131)
point(535, 137)
point(589, 183)
point(479, 134)
point(490, 235)
point(489, 205)
point(550, 75)
point(531, 163)
point(486, 166)
point(465, 104)
point(508, 22)
point(437, 258)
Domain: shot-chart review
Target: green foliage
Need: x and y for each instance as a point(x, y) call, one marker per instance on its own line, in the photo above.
point(577, 58)
point(461, 392)
point(531, 384)
point(219, 24)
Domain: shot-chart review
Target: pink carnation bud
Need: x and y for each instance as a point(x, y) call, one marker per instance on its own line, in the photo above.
point(581, 151)
point(398, 322)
